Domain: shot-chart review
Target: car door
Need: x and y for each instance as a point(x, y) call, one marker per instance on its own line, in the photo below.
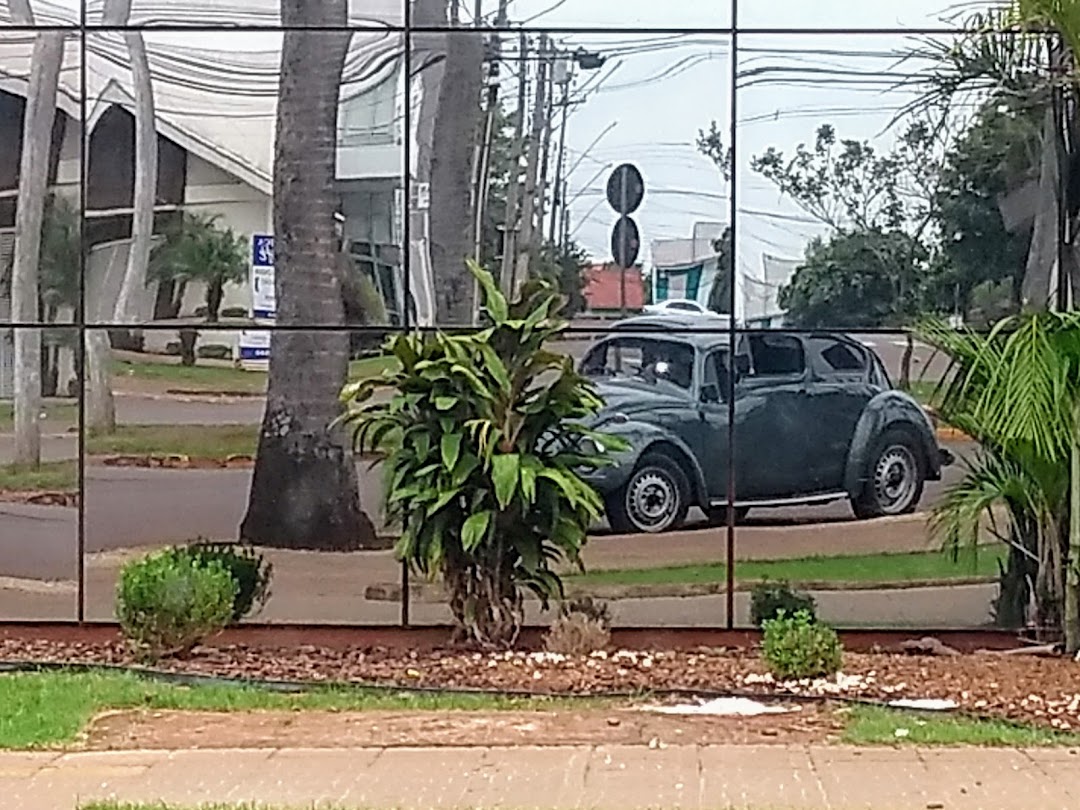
point(711, 445)
point(840, 389)
point(773, 422)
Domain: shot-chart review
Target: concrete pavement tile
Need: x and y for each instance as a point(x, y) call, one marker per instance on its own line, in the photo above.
point(976, 778)
point(760, 776)
point(513, 776)
point(1056, 768)
point(891, 780)
point(624, 777)
point(19, 765)
point(408, 778)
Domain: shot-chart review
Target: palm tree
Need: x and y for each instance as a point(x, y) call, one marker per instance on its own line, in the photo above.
point(304, 491)
point(198, 250)
point(1017, 392)
point(46, 61)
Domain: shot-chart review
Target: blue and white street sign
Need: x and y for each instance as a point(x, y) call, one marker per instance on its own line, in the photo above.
point(263, 298)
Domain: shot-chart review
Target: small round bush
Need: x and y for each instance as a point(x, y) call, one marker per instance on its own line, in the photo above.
point(167, 603)
point(250, 571)
point(796, 647)
point(768, 600)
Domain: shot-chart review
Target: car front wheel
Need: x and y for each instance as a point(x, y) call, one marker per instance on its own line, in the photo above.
point(655, 499)
point(896, 479)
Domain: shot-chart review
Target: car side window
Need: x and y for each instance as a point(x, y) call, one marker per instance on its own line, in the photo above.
point(833, 358)
point(685, 307)
point(776, 356)
point(716, 373)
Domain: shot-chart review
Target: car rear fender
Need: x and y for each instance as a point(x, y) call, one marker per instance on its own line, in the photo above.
point(886, 411)
point(645, 438)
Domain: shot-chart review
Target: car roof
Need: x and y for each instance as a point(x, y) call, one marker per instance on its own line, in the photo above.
point(685, 328)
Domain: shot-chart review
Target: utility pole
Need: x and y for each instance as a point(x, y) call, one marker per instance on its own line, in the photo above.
point(532, 168)
point(513, 197)
point(483, 162)
point(558, 197)
point(554, 67)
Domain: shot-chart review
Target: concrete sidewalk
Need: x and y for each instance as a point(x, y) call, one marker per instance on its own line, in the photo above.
point(620, 778)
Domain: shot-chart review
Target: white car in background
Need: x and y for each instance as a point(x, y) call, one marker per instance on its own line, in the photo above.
point(683, 306)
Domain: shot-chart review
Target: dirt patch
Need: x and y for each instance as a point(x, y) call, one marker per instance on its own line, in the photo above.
point(40, 498)
point(1044, 691)
point(178, 462)
point(146, 730)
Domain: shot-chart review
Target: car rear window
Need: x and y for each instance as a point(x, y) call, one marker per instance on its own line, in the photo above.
point(777, 356)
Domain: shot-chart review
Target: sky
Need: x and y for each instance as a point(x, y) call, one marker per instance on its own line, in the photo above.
point(658, 90)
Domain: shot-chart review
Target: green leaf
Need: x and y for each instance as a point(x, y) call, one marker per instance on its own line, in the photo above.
point(505, 473)
point(494, 300)
point(451, 450)
point(445, 403)
point(475, 531)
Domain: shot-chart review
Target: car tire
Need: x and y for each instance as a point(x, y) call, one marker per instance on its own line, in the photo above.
point(897, 476)
point(654, 500)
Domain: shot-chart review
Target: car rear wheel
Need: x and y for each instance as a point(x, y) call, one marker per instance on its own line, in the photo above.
point(654, 500)
point(896, 480)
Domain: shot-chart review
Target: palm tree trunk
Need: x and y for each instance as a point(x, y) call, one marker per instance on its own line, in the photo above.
point(305, 491)
point(456, 127)
point(46, 61)
point(100, 409)
point(1072, 581)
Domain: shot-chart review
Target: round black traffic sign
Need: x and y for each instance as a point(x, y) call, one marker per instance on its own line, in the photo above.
point(626, 189)
point(625, 242)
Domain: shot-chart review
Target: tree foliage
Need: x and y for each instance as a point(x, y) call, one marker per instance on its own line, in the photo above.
point(197, 249)
point(486, 484)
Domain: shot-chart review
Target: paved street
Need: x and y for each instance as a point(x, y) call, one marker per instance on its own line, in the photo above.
point(618, 777)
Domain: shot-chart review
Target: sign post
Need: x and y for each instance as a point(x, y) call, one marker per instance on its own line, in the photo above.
point(255, 343)
point(625, 193)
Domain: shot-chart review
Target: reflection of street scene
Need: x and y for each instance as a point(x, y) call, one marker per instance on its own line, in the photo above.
point(870, 240)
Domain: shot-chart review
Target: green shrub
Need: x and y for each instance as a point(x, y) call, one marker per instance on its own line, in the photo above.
point(797, 647)
point(167, 602)
point(249, 569)
point(769, 599)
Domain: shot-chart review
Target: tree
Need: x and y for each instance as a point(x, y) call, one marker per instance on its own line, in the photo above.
point(1017, 392)
point(711, 145)
point(40, 113)
point(457, 120)
point(100, 407)
point(485, 483)
point(198, 250)
point(304, 490)
point(859, 279)
point(875, 267)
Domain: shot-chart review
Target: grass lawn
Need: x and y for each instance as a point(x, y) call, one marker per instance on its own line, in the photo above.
point(224, 379)
point(868, 726)
point(862, 568)
point(197, 441)
point(56, 476)
point(64, 412)
point(48, 709)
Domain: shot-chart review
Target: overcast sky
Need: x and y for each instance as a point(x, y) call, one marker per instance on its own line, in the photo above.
point(658, 90)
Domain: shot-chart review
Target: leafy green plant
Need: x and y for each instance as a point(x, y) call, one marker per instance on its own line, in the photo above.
point(768, 600)
point(249, 569)
point(796, 646)
point(167, 603)
point(486, 484)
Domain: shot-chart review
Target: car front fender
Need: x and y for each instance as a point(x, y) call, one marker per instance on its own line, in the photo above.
point(642, 437)
point(888, 410)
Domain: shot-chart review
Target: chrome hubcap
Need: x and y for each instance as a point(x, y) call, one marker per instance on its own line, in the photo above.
point(652, 501)
point(895, 479)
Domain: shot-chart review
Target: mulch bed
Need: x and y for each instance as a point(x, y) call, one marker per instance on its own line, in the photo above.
point(179, 462)
point(1043, 691)
point(40, 498)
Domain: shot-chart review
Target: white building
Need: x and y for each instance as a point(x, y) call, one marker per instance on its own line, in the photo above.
point(216, 108)
point(761, 296)
point(687, 268)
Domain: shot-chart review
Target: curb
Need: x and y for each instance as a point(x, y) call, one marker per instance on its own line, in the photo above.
point(428, 594)
point(38, 586)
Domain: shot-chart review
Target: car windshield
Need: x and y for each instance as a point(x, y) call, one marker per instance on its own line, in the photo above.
point(645, 359)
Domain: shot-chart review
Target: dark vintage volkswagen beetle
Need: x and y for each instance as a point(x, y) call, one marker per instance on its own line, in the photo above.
point(816, 420)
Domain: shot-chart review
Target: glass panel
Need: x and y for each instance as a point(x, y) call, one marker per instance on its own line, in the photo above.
point(841, 14)
point(248, 13)
point(215, 188)
point(60, 13)
point(57, 156)
point(184, 452)
point(689, 15)
point(838, 476)
point(39, 489)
